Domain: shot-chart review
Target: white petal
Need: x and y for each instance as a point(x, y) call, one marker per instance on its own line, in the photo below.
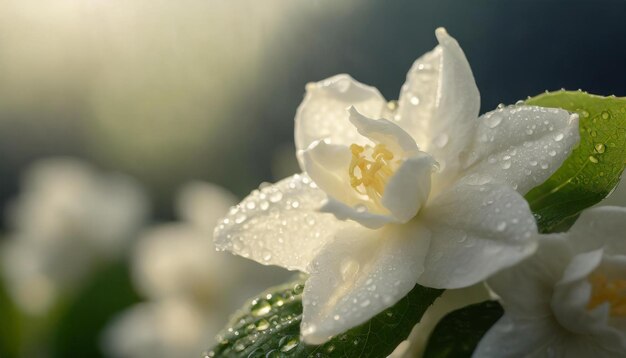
point(439, 102)
point(328, 166)
point(360, 214)
point(323, 112)
point(357, 276)
point(476, 230)
point(280, 224)
point(408, 188)
point(518, 338)
point(606, 225)
point(521, 145)
point(384, 132)
point(404, 195)
point(526, 289)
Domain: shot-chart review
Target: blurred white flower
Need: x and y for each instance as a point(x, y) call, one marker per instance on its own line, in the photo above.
point(175, 266)
point(67, 218)
point(373, 214)
point(169, 328)
point(569, 299)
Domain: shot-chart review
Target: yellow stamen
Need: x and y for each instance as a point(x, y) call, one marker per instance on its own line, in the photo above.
point(369, 176)
point(608, 290)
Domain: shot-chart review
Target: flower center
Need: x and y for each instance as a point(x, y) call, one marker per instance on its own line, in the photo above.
point(370, 169)
point(608, 290)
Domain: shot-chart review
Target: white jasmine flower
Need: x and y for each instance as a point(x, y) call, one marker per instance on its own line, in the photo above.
point(569, 299)
point(426, 192)
point(67, 218)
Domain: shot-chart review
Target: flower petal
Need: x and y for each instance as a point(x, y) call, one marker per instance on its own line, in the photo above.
point(439, 102)
point(521, 145)
point(408, 188)
point(606, 225)
point(328, 165)
point(280, 224)
point(476, 230)
point(518, 338)
point(526, 289)
point(323, 112)
point(384, 132)
point(359, 275)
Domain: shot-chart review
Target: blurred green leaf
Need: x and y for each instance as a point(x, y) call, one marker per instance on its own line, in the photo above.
point(269, 326)
point(9, 326)
point(458, 333)
point(594, 167)
point(79, 329)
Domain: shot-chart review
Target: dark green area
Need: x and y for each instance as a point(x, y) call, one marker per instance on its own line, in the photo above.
point(79, 331)
point(8, 325)
point(594, 167)
point(269, 326)
point(458, 333)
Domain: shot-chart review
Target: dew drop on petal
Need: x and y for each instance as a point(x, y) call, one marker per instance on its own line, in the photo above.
point(493, 120)
point(349, 268)
point(441, 140)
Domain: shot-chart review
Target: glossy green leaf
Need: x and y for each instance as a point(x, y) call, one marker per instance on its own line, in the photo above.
point(269, 326)
point(594, 167)
point(458, 333)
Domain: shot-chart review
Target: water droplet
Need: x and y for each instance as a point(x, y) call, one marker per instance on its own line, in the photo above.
point(360, 208)
point(558, 137)
point(298, 288)
point(295, 204)
point(600, 148)
point(501, 226)
point(365, 303)
point(585, 114)
point(239, 347)
point(441, 140)
point(288, 343)
point(506, 164)
point(552, 153)
point(349, 268)
point(593, 159)
point(267, 256)
point(414, 100)
point(336, 317)
point(392, 105)
point(260, 308)
point(276, 196)
point(264, 205)
point(262, 325)
point(544, 166)
point(605, 115)
point(240, 218)
point(493, 120)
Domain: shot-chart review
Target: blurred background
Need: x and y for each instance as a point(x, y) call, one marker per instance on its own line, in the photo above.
point(127, 127)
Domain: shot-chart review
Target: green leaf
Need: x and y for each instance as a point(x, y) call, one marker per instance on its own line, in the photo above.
point(9, 326)
point(594, 167)
point(79, 329)
point(458, 333)
point(269, 326)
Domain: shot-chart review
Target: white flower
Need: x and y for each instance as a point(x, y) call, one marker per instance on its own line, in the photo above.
point(67, 218)
point(373, 214)
point(569, 299)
